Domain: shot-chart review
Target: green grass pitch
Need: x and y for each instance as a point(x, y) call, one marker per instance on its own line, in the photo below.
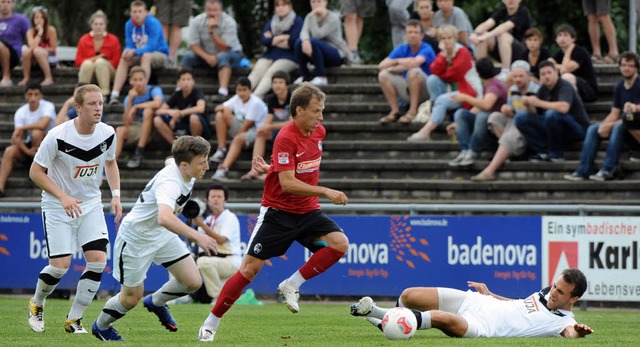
point(317, 324)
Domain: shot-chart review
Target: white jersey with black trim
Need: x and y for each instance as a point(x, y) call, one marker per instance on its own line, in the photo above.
point(167, 188)
point(74, 162)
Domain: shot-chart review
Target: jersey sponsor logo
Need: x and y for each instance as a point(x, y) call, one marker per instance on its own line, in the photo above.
point(530, 305)
point(85, 172)
point(308, 166)
point(283, 158)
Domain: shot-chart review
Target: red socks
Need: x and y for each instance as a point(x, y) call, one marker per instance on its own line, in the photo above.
point(319, 262)
point(231, 291)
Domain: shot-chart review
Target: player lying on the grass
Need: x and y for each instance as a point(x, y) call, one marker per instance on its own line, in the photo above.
point(546, 313)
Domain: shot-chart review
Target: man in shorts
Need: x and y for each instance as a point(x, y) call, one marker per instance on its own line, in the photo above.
point(13, 32)
point(173, 14)
point(547, 313)
point(150, 233)
point(68, 167)
point(144, 45)
point(290, 210)
point(353, 12)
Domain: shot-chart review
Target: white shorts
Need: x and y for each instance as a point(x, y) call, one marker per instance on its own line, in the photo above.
point(131, 260)
point(480, 313)
point(65, 235)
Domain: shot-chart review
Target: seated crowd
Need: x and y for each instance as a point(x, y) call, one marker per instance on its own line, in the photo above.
point(532, 105)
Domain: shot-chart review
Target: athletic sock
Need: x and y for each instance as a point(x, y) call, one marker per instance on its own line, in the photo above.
point(87, 288)
point(231, 291)
point(424, 319)
point(377, 312)
point(211, 323)
point(112, 311)
point(47, 282)
point(319, 262)
point(169, 291)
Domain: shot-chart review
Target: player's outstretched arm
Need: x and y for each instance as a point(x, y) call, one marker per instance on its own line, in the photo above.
point(484, 290)
point(576, 330)
point(167, 219)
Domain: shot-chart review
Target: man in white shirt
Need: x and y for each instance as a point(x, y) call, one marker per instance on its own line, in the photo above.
point(31, 121)
point(546, 313)
point(68, 167)
point(150, 233)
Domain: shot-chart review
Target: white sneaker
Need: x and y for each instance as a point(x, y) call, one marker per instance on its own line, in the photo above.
point(206, 335)
point(219, 155)
point(319, 81)
point(290, 296)
point(362, 307)
point(220, 174)
point(458, 159)
point(36, 317)
point(468, 159)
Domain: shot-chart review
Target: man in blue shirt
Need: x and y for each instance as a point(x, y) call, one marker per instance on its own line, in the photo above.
point(404, 74)
point(144, 44)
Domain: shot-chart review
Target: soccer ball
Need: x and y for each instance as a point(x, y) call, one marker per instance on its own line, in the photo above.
point(399, 323)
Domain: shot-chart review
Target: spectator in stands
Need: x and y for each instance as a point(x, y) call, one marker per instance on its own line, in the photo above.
point(471, 125)
point(535, 52)
point(398, 17)
point(451, 70)
point(144, 45)
point(184, 113)
point(621, 125)
point(173, 15)
point(564, 119)
point(320, 43)
point(98, 53)
point(510, 140)
point(353, 12)
point(278, 37)
point(501, 35)
point(574, 64)
point(239, 117)
point(223, 226)
point(140, 107)
point(42, 43)
point(31, 122)
point(278, 115)
point(404, 74)
point(423, 12)
point(214, 43)
point(600, 11)
point(449, 14)
point(13, 31)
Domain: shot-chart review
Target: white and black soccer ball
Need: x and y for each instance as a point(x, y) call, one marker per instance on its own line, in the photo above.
point(399, 323)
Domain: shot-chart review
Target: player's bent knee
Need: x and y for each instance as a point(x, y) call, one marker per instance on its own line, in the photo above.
point(410, 296)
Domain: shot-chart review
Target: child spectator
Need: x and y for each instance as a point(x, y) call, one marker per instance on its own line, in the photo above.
point(13, 30)
point(42, 43)
point(535, 52)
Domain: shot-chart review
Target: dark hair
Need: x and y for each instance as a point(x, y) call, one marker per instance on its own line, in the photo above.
point(533, 32)
point(302, 97)
point(413, 23)
point(629, 56)
point(186, 147)
point(45, 26)
point(282, 75)
point(566, 28)
point(546, 63)
point(575, 276)
point(219, 186)
point(33, 85)
point(486, 69)
point(185, 70)
point(243, 81)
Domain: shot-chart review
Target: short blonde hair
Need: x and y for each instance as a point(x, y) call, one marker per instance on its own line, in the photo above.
point(78, 95)
point(446, 30)
point(98, 14)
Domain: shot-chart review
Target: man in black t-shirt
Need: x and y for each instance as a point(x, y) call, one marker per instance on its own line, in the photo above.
point(184, 113)
point(502, 34)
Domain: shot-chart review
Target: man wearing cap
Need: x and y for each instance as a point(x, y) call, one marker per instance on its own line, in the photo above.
point(510, 140)
point(560, 120)
point(621, 125)
point(471, 125)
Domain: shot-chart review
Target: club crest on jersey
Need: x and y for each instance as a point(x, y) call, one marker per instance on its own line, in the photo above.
point(103, 147)
point(283, 158)
point(320, 145)
point(85, 172)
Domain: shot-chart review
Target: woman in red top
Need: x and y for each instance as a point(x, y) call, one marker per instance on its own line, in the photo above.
point(42, 42)
point(98, 53)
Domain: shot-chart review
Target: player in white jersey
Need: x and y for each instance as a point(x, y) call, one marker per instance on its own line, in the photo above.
point(149, 233)
point(68, 167)
point(546, 313)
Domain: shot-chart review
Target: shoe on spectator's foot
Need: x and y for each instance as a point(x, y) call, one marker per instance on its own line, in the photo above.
point(483, 177)
point(114, 100)
point(536, 158)
point(219, 155)
point(458, 159)
point(290, 296)
point(603, 175)
point(223, 91)
point(376, 322)
point(36, 317)
point(354, 58)
point(220, 174)
point(557, 160)
point(417, 137)
point(6, 83)
point(635, 157)
point(110, 334)
point(74, 326)
point(319, 81)
point(135, 161)
point(162, 312)
point(206, 335)
point(468, 159)
point(575, 177)
point(362, 307)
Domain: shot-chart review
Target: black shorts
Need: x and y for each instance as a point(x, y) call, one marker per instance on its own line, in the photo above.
point(586, 91)
point(14, 59)
point(276, 230)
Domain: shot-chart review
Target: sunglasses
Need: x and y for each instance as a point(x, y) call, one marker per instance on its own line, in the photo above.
point(39, 8)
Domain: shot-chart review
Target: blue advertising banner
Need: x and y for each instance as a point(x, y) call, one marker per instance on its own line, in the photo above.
point(386, 254)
